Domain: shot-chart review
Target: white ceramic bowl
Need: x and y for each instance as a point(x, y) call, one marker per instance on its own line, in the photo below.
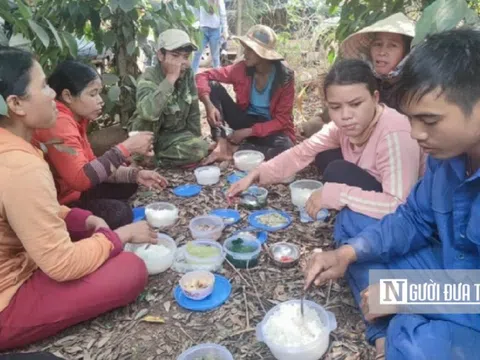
point(189, 281)
point(215, 224)
point(161, 214)
point(301, 190)
point(155, 259)
point(207, 175)
point(248, 160)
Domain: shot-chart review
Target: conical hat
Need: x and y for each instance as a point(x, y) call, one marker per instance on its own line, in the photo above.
point(358, 43)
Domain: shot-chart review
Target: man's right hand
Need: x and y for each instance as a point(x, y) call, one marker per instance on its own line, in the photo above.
point(141, 143)
point(172, 68)
point(214, 117)
point(328, 265)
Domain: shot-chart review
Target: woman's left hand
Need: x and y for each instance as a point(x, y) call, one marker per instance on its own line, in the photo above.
point(314, 204)
point(93, 223)
point(151, 179)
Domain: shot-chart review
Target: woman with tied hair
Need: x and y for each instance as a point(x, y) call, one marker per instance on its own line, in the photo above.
point(101, 184)
point(58, 266)
point(369, 160)
point(385, 45)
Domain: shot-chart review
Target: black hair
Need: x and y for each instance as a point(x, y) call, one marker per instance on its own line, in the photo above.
point(447, 61)
point(349, 72)
point(15, 66)
point(73, 76)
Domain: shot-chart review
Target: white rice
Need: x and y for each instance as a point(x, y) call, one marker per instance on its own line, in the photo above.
point(287, 328)
point(160, 218)
point(300, 196)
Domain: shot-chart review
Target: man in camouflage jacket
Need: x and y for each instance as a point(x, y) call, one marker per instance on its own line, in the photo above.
point(167, 103)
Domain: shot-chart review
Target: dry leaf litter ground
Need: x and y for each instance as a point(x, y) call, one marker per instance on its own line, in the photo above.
point(121, 334)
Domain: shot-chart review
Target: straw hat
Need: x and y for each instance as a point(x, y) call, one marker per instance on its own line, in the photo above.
point(262, 40)
point(358, 44)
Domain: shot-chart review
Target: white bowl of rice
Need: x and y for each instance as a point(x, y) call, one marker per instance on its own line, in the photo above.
point(289, 336)
point(248, 160)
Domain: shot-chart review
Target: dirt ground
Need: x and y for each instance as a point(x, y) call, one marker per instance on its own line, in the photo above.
point(121, 334)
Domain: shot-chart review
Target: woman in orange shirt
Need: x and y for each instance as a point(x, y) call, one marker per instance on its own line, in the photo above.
point(48, 282)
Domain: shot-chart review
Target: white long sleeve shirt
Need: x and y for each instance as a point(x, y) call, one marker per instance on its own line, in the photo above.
point(215, 20)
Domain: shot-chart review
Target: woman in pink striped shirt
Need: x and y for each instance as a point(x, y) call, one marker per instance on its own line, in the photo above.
point(368, 159)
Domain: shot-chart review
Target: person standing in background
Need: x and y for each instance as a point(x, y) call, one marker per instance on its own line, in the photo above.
point(213, 25)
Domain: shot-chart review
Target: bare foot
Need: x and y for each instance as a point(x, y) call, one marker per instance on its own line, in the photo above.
point(220, 153)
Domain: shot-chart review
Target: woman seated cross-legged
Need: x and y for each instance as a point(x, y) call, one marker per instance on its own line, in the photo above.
point(101, 184)
point(368, 159)
point(58, 266)
point(261, 117)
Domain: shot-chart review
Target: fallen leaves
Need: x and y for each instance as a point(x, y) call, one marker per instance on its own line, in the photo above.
point(155, 328)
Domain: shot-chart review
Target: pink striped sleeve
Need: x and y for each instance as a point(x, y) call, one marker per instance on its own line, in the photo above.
point(398, 162)
point(297, 158)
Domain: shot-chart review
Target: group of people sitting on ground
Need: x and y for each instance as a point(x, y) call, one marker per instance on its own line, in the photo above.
point(64, 221)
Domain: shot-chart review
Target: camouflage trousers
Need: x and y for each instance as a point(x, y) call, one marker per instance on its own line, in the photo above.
point(178, 149)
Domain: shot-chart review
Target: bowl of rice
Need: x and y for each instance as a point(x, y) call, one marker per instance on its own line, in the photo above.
point(161, 214)
point(158, 257)
point(289, 336)
point(301, 190)
point(248, 160)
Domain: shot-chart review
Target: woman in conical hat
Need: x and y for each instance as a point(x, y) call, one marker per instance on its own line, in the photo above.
point(385, 45)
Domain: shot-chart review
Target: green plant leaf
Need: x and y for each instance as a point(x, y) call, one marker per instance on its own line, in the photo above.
point(55, 34)
point(132, 79)
point(127, 5)
point(3, 107)
point(24, 10)
point(110, 79)
point(109, 39)
point(40, 32)
point(71, 43)
point(114, 93)
point(131, 47)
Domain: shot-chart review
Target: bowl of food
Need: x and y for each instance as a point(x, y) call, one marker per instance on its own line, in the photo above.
point(161, 214)
point(206, 352)
point(301, 190)
point(204, 252)
point(207, 175)
point(158, 257)
point(197, 285)
point(247, 160)
point(242, 251)
point(206, 227)
point(254, 198)
point(291, 336)
point(284, 254)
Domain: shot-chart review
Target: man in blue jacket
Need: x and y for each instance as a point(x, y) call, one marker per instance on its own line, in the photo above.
point(439, 225)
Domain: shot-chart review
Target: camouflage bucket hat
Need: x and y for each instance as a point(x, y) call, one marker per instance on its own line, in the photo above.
point(262, 40)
